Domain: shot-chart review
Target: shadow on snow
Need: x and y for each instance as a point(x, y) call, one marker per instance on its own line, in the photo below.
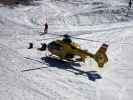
point(68, 66)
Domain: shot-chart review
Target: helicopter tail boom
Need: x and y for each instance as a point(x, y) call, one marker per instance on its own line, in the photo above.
point(100, 57)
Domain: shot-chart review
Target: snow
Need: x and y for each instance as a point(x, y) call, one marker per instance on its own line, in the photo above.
point(104, 21)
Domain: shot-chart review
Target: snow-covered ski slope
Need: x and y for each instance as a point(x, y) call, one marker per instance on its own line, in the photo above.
point(102, 20)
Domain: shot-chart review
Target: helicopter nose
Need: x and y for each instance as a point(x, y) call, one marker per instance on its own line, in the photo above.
point(51, 45)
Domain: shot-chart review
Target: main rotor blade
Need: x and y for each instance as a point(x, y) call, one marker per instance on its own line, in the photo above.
point(47, 39)
point(77, 38)
point(54, 34)
point(81, 34)
point(86, 39)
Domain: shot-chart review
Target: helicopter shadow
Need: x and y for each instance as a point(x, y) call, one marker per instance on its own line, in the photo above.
point(54, 62)
point(68, 66)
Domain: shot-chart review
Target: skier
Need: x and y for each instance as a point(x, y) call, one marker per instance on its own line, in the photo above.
point(46, 28)
point(129, 7)
point(130, 4)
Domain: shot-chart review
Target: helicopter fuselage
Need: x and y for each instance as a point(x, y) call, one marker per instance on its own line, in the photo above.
point(68, 51)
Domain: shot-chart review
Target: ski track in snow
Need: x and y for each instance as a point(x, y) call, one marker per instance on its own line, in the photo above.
point(79, 18)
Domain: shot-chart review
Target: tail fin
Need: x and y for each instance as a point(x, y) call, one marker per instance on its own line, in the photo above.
point(100, 56)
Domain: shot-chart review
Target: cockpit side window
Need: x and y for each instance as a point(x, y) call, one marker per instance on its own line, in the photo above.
point(55, 45)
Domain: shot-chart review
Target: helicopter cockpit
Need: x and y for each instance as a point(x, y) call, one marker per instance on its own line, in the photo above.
point(54, 46)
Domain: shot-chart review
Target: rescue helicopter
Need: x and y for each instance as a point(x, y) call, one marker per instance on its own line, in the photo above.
point(67, 50)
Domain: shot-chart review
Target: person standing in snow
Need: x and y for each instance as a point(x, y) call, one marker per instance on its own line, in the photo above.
point(46, 28)
point(130, 4)
point(129, 7)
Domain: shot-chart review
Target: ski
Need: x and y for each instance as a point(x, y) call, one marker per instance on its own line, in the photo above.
point(33, 69)
point(34, 60)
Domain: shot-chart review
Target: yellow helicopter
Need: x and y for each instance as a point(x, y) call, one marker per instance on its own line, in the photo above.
point(68, 50)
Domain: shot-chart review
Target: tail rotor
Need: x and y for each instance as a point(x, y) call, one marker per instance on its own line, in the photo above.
point(100, 56)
